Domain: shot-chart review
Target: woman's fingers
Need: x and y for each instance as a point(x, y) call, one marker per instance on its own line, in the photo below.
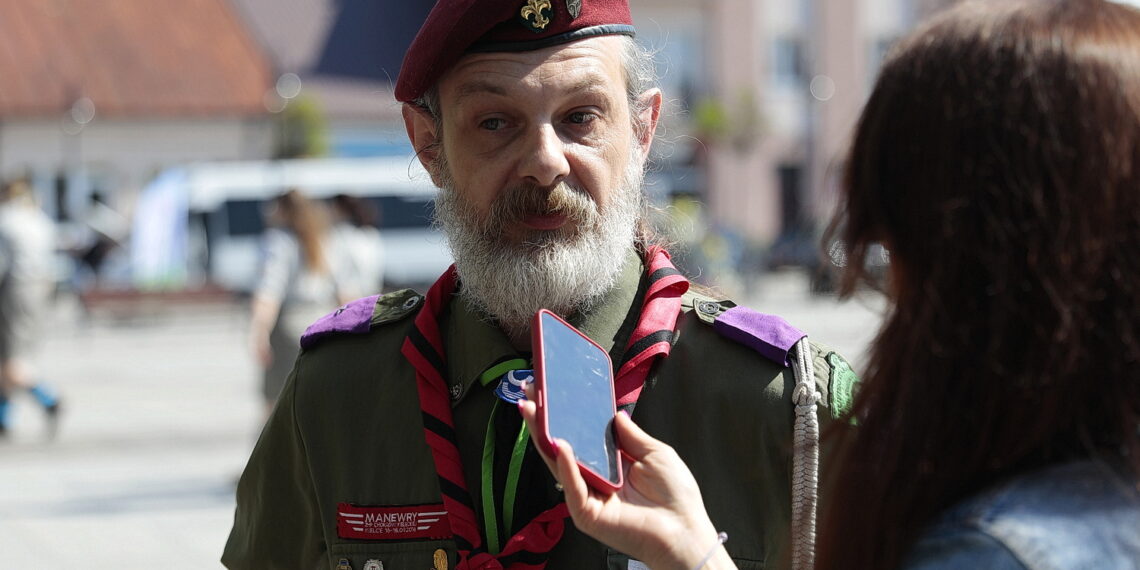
point(529, 413)
point(574, 486)
point(633, 440)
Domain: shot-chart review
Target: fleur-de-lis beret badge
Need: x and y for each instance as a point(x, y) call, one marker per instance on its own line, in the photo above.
point(536, 14)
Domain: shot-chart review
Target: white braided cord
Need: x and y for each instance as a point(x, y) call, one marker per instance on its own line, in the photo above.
point(805, 458)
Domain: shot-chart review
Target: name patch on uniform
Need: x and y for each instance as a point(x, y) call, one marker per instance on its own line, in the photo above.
point(391, 523)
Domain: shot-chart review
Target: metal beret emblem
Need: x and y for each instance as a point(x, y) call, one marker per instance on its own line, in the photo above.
point(574, 7)
point(536, 14)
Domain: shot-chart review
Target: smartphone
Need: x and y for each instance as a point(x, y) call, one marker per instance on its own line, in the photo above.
point(574, 397)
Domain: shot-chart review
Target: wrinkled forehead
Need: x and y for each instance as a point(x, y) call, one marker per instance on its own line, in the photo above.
point(587, 66)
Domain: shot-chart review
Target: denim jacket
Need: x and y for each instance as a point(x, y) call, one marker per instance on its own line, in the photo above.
point(1075, 515)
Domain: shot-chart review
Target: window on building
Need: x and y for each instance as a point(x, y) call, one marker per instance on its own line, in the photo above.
point(788, 60)
point(877, 53)
point(791, 198)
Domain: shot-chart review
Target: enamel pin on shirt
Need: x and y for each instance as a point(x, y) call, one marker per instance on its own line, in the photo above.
point(510, 388)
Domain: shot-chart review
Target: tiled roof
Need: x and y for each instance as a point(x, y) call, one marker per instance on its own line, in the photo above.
point(132, 58)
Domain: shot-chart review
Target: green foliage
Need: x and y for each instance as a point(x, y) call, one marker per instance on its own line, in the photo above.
point(302, 130)
point(739, 124)
point(711, 118)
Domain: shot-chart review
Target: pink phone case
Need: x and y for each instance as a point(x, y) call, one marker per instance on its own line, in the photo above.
point(597, 480)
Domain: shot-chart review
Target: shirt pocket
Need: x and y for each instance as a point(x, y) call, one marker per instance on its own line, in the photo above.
point(416, 555)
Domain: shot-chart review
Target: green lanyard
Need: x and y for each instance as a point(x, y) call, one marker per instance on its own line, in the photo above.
point(510, 490)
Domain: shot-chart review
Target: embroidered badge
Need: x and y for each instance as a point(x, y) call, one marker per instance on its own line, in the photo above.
point(510, 388)
point(391, 523)
point(841, 384)
point(373, 564)
point(343, 564)
point(440, 559)
point(574, 7)
point(536, 14)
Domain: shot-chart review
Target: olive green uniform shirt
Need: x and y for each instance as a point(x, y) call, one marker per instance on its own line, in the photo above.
point(347, 429)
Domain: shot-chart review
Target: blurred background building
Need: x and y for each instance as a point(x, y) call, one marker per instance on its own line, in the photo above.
point(345, 56)
point(98, 99)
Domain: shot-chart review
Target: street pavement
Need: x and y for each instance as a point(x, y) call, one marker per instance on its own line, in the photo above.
point(161, 410)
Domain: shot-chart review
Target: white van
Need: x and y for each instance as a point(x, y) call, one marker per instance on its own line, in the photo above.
point(225, 202)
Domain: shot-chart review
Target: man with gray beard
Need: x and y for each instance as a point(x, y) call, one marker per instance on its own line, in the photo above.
point(396, 442)
point(566, 270)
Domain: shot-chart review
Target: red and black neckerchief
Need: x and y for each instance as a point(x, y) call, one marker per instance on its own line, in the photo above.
point(423, 348)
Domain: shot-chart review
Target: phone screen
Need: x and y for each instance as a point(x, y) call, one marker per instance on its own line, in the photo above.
point(579, 396)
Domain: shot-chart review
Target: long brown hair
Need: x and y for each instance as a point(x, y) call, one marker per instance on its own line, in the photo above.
point(998, 159)
point(308, 223)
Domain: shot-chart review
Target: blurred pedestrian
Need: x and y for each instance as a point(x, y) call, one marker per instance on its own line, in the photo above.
point(998, 423)
point(107, 230)
point(27, 247)
point(355, 232)
point(301, 279)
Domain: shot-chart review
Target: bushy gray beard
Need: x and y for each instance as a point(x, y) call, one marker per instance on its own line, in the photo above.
point(565, 270)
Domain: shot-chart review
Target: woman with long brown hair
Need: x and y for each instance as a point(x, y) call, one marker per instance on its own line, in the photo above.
point(999, 161)
point(998, 420)
point(302, 278)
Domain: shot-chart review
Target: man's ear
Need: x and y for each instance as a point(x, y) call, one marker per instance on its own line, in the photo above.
point(421, 129)
point(649, 112)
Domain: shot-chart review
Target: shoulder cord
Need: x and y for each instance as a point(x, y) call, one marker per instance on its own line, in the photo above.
point(805, 458)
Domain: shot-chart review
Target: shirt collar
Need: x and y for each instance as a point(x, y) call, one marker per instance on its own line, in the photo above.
point(474, 344)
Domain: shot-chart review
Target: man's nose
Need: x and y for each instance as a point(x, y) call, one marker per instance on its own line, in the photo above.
point(545, 163)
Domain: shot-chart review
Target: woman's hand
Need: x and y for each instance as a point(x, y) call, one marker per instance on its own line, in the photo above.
point(657, 517)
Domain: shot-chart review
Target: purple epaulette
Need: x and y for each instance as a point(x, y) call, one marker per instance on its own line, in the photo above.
point(769, 335)
point(355, 318)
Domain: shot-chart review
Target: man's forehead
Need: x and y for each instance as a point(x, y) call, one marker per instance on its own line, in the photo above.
point(458, 27)
point(587, 65)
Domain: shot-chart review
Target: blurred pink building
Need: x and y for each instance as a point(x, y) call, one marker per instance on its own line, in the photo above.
point(771, 89)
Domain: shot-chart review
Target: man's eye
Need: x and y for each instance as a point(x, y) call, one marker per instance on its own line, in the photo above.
point(492, 124)
point(581, 117)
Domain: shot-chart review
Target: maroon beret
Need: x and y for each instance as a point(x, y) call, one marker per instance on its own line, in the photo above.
point(456, 27)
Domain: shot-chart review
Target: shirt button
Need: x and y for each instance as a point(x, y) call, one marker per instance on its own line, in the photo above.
point(456, 392)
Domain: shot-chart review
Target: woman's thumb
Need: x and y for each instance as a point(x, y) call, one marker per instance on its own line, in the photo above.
point(633, 440)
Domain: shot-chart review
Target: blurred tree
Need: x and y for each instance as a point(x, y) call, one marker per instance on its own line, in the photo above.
point(710, 119)
point(303, 130)
point(739, 124)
